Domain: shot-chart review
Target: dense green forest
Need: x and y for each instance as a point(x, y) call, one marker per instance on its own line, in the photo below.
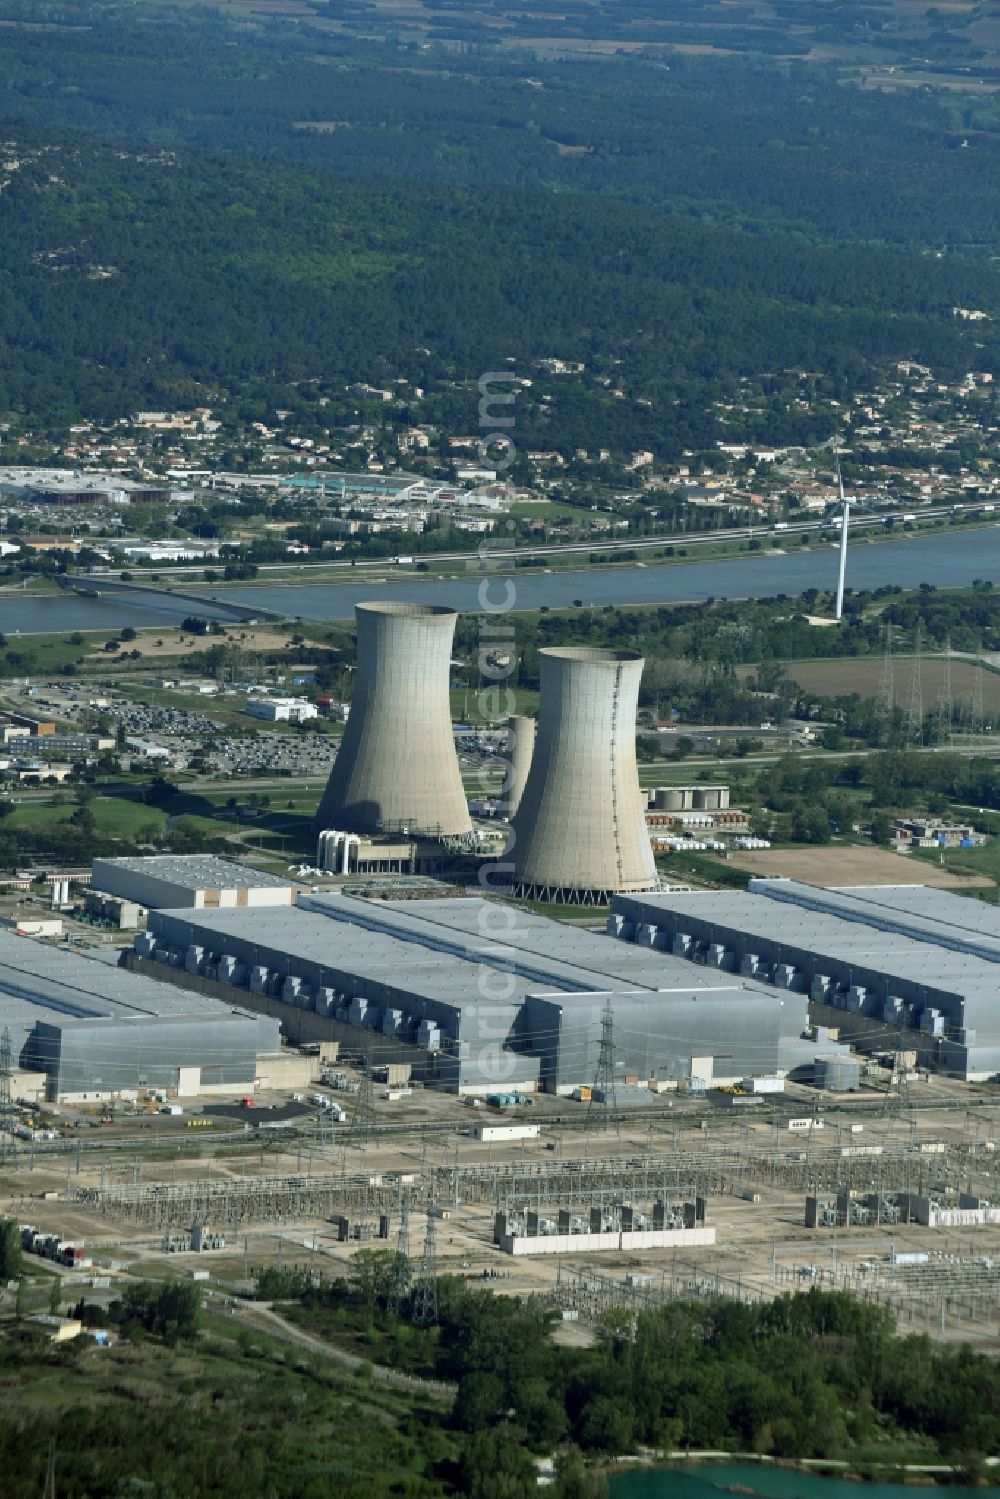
point(813, 1375)
point(292, 208)
point(194, 1405)
point(132, 278)
point(742, 140)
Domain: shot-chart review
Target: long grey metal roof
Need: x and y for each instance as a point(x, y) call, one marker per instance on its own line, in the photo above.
point(40, 983)
point(437, 948)
point(199, 871)
point(825, 935)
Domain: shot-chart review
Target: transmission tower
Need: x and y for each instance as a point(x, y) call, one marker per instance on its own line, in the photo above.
point(887, 692)
point(401, 1271)
point(945, 734)
point(604, 1077)
point(363, 1121)
point(915, 712)
point(425, 1289)
point(978, 710)
point(8, 1139)
point(897, 1093)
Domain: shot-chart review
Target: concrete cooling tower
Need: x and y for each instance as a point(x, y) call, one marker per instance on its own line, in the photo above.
point(520, 744)
point(579, 833)
point(397, 767)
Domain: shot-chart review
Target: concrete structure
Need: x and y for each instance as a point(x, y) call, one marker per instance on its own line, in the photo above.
point(520, 747)
point(579, 833)
point(97, 1031)
point(123, 914)
point(199, 880)
point(478, 997)
point(397, 770)
point(281, 709)
point(352, 854)
point(888, 967)
point(493, 1132)
point(689, 798)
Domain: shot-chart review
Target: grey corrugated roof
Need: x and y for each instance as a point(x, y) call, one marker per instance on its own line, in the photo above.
point(199, 871)
point(825, 935)
point(435, 948)
point(45, 983)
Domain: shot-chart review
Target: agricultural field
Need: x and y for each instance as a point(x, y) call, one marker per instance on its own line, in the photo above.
point(860, 866)
point(837, 678)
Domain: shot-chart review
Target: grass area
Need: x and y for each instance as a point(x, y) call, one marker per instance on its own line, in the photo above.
point(44, 655)
point(489, 706)
point(114, 816)
point(984, 861)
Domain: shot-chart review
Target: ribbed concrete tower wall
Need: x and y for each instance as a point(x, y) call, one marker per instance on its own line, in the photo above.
point(580, 830)
point(520, 745)
point(397, 766)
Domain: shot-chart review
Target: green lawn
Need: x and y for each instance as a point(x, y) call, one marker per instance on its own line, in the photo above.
point(984, 861)
point(114, 816)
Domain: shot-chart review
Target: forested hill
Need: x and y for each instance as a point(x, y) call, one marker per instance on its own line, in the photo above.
point(744, 140)
point(127, 275)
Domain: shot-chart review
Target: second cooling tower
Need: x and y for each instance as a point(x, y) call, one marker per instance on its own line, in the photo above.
point(397, 768)
point(579, 832)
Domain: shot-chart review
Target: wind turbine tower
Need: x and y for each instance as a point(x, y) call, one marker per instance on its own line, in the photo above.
point(845, 521)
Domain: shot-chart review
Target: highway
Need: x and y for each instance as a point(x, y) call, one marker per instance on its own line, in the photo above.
point(860, 521)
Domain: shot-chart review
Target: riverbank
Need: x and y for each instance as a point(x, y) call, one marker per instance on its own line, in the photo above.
point(954, 560)
point(682, 1475)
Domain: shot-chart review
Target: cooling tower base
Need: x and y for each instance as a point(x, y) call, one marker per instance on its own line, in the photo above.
point(569, 895)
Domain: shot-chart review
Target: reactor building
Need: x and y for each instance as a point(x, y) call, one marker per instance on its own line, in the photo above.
point(579, 832)
point(397, 769)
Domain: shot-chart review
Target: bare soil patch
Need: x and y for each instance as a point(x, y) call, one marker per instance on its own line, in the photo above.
point(852, 866)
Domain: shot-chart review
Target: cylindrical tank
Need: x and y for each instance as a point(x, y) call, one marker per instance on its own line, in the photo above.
point(668, 799)
point(520, 744)
point(838, 1074)
point(708, 798)
point(397, 767)
point(580, 829)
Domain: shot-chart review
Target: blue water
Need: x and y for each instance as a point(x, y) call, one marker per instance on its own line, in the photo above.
point(714, 1481)
point(949, 559)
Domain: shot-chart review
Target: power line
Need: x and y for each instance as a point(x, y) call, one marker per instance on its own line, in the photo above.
point(604, 1077)
point(8, 1139)
point(402, 1272)
point(887, 692)
point(363, 1121)
point(425, 1298)
point(915, 712)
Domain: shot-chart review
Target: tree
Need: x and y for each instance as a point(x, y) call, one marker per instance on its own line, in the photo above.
point(496, 1466)
point(480, 1400)
point(881, 829)
point(10, 1249)
point(171, 1311)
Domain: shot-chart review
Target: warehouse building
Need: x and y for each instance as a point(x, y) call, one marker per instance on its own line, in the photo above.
point(889, 966)
point(96, 1031)
point(198, 880)
point(479, 996)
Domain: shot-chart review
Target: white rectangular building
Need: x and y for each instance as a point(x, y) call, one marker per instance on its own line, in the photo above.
point(202, 881)
point(281, 709)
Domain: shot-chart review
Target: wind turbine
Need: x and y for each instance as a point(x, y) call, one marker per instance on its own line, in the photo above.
point(845, 521)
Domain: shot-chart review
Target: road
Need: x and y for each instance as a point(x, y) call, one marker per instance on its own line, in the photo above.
point(261, 1317)
point(859, 522)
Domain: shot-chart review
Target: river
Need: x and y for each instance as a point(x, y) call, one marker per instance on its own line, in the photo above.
point(949, 559)
point(713, 1482)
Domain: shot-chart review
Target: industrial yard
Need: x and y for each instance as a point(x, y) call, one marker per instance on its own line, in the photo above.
point(308, 1195)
